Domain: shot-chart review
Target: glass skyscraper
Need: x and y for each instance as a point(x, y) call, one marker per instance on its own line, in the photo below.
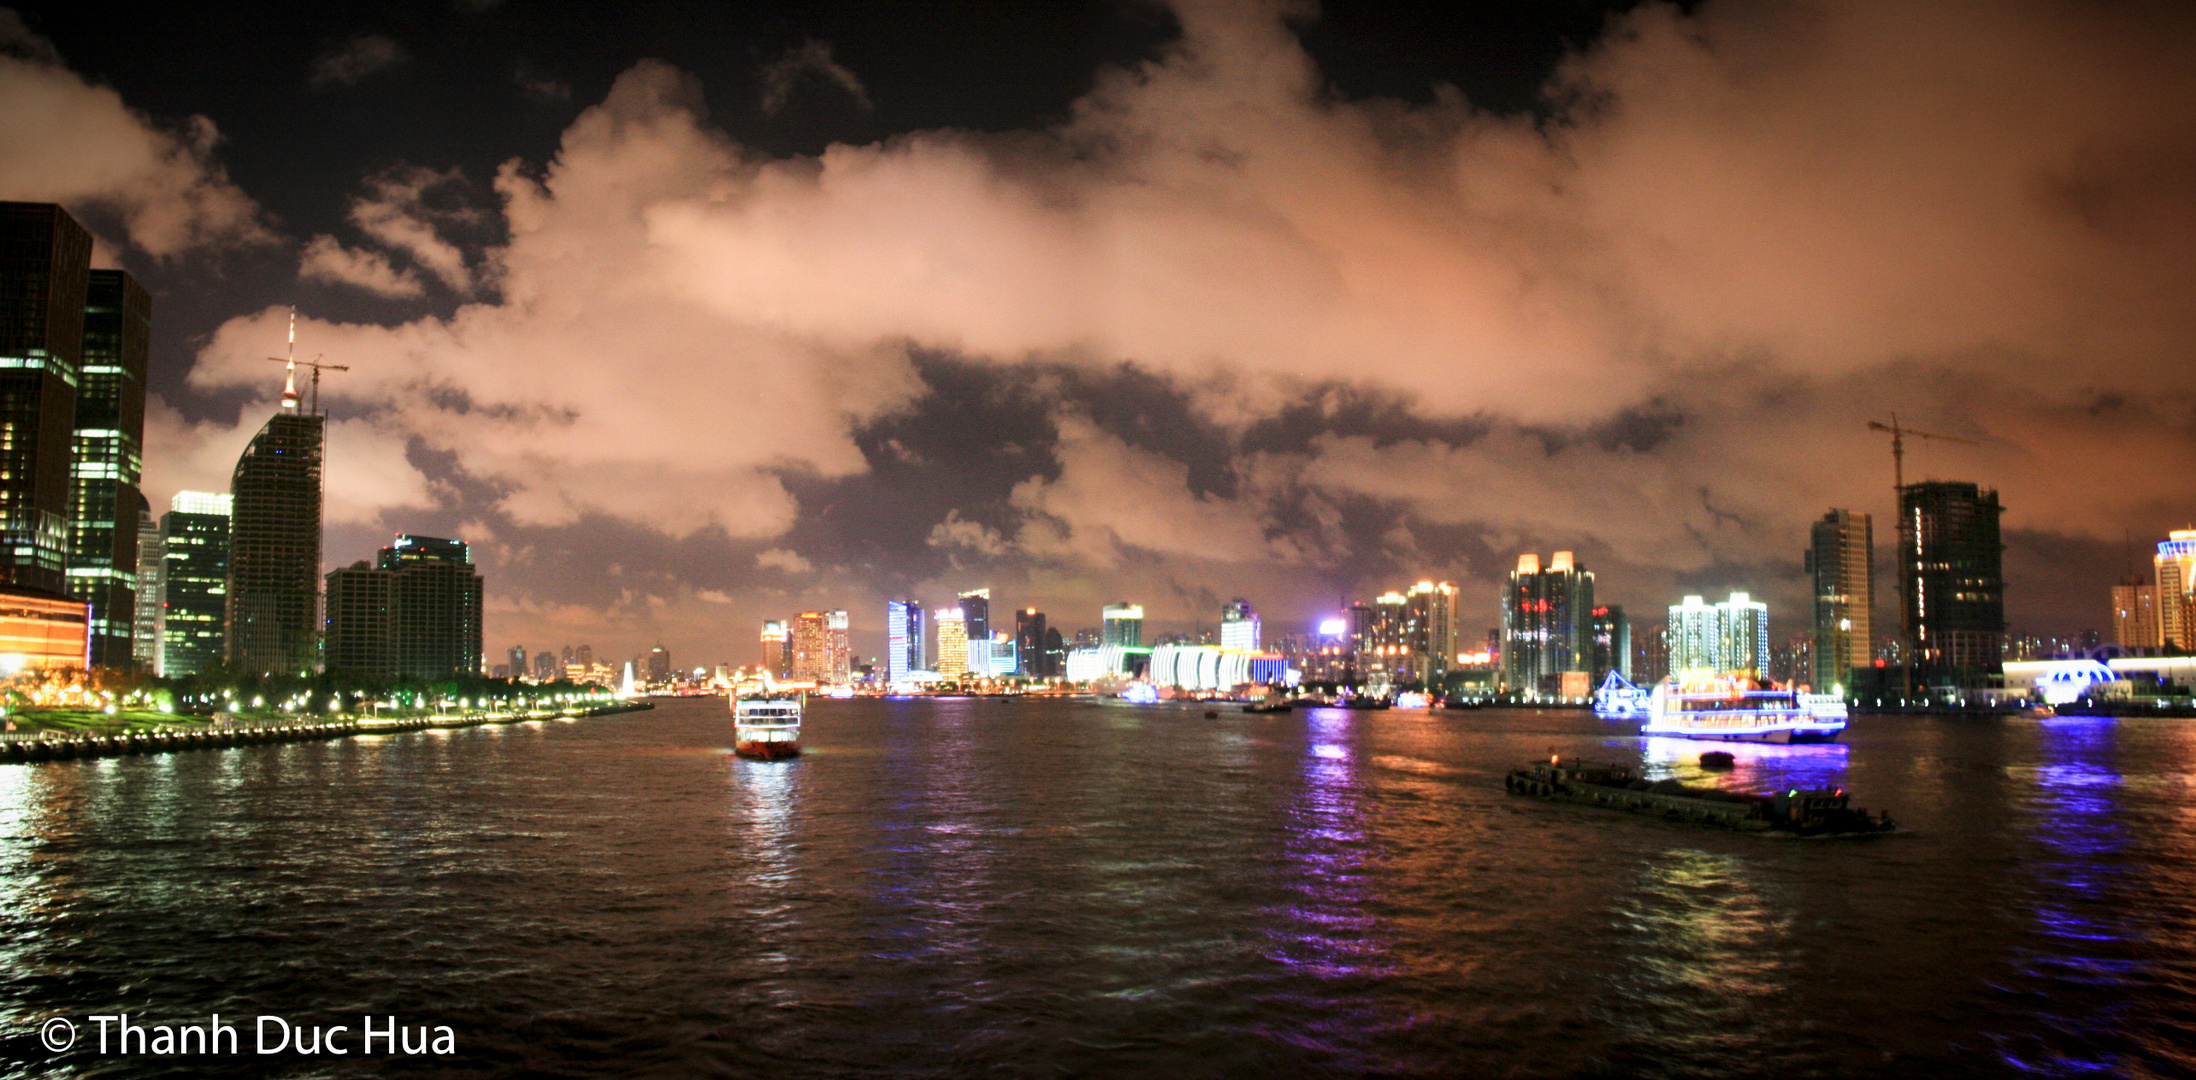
point(45, 277)
point(274, 546)
point(903, 639)
point(194, 540)
point(1952, 581)
point(109, 461)
point(1840, 562)
point(1547, 623)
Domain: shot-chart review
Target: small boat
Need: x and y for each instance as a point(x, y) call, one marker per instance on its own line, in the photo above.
point(1360, 701)
point(1718, 759)
point(1273, 702)
point(767, 725)
point(1739, 708)
point(1821, 812)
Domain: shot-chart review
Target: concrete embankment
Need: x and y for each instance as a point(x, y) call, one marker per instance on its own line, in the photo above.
point(19, 748)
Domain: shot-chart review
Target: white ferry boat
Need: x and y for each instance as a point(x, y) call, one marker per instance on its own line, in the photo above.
point(767, 725)
point(1740, 709)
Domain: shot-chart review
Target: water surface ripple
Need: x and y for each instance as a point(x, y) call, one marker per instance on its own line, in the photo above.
point(1022, 888)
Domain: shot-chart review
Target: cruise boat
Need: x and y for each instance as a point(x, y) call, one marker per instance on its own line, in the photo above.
point(1618, 699)
point(766, 725)
point(1740, 709)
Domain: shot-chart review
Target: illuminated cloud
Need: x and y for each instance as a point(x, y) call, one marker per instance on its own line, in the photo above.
point(811, 61)
point(326, 260)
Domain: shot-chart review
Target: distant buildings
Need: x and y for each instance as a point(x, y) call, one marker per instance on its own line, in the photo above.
point(1547, 626)
point(952, 627)
point(976, 621)
point(194, 540)
point(1612, 643)
point(1731, 636)
point(1030, 650)
point(1121, 625)
point(2137, 622)
point(2175, 569)
point(1238, 626)
point(1952, 584)
point(274, 545)
point(1840, 561)
point(417, 614)
point(903, 639)
point(820, 651)
point(777, 649)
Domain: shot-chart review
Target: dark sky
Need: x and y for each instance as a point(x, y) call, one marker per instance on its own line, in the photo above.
point(1172, 302)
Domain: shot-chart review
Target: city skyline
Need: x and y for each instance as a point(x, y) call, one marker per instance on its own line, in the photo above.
point(1299, 453)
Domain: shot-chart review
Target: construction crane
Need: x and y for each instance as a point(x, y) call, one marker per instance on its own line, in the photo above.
point(1899, 432)
point(289, 388)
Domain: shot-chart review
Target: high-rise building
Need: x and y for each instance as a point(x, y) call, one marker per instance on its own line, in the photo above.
point(1547, 623)
point(1055, 653)
point(274, 544)
point(1239, 626)
point(1121, 625)
point(1029, 644)
point(896, 638)
point(515, 662)
point(194, 536)
point(1841, 563)
point(45, 276)
point(820, 651)
point(659, 665)
point(414, 615)
point(1429, 639)
point(1652, 663)
point(359, 619)
point(976, 614)
point(1612, 635)
point(952, 629)
point(2136, 620)
point(836, 630)
point(145, 620)
point(1951, 581)
point(1731, 636)
point(777, 649)
point(2175, 569)
point(547, 669)
point(108, 461)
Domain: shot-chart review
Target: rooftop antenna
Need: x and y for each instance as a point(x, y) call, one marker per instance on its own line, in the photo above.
point(289, 382)
point(1907, 559)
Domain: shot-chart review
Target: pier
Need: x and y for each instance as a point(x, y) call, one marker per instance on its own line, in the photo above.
point(26, 747)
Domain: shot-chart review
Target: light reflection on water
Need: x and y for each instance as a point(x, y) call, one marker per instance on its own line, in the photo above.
point(952, 888)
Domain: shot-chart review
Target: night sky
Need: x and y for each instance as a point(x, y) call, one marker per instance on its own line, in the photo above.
point(696, 314)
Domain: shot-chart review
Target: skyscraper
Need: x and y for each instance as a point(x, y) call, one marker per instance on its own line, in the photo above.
point(1547, 623)
point(516, 658)
point(1612, 643)
point(1029, 644)
point(820, 651)
point(360, 620)
point(1429, 632)
point(903, 619)
point(274, 544)
point(976, 619)
point(109, 457)
point(146, 621)
point(777, 649)
point(1731, 636)
point(1238, 625)
point(45, 275)
point(194, 534)
point(1951, 581)
point(1055, 653)
point(1841, 562)
point(1122, 625)
point(952, 629)
point(659, 664)
point(2175, 569)
point(547, 669)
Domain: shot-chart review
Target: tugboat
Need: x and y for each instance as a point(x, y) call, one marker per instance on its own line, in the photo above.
point(1822, 812)
point(1273, 702)
point(766, 726)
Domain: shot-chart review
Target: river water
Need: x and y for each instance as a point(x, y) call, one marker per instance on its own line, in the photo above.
point(1024, 888)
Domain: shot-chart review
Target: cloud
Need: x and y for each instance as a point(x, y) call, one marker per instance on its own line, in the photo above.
point(65, 140)
point(395, 210)
point(368, 468)
point(326, 260)
point(811, 61)
point(541, 88)
point(780, 559)
point(354, 60)
point(1649, 326)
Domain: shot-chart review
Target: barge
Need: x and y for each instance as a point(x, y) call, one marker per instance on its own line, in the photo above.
point(1821, 812)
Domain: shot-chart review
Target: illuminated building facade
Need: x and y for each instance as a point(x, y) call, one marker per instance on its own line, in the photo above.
point(1952, 581)
point(952, 630)
point(2175, 568)
point(2137, 623)
point(1547, 623)
point(1121, 625)
point(194, 536)
point(1840, 562)
point(45, 274)
point(1731, 636)
point(1239, 626)
point(145, 618)
point(976, 621)
point(39, 630)
point(777, 649)
point(903, 639)
point(820, 651)
point(1212, 667)
point(104, 505)
point(1030, 632)
point(274, 546)
point(659, 665)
